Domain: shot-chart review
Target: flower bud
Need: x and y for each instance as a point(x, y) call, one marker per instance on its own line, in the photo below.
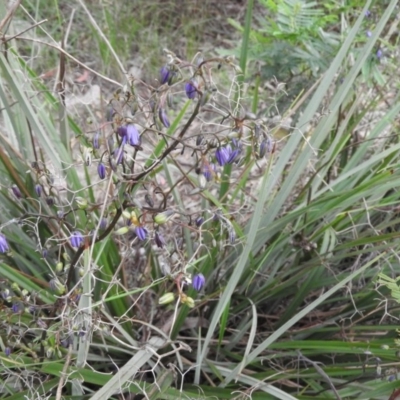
point(122, 231)
point(191, 89)
point(164, 74)
point(59, 267)
point(162, 218)
point(15, 287)
point(16, 308)
point(81, 202)
point(134, 218)
point(50, 352)
point(126, 214)
point(50, 201)
point(38, 190)
point(187, 300)
point(166, 298)
point(57, 287)
point(17, 193)
point(163, 117)
point(159, 239)
point(198, 282)
point(199, 221)
point(101, 170)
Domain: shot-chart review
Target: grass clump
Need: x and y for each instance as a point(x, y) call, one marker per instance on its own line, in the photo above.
point(167, 245)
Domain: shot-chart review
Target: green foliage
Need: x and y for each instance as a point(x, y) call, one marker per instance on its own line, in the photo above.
point(293, 37)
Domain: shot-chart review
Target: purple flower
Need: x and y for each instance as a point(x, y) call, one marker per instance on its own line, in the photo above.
point(133, 135)
point(198, 282)
point(165, 74)
point(141, 232)
point(367, 13)
point(7, 351)
point(101, 169)
point(265, 147)
point(190, 89)
point(379, 54)
point(76, 239)
point(222, 156)
point(199, 221)
point(38, 190)
point(17, 193)
point(368, 33)
point(16, 308)
point(163, 117)
point(3, 244)
point(233, 155)
point(159, 240)
point(122, 130)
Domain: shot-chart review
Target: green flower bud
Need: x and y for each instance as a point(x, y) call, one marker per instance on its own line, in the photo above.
point(15, 287)
point(187, 300)
point(126, 214)
point(122, 231)
point(163, 217)
point(49, 352)
point(81, 202)
point(166, 298)
point(59, 267)
point(57, 287)
point(134, 219)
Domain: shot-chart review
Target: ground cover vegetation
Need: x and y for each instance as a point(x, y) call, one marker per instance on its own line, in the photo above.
point(199, 208)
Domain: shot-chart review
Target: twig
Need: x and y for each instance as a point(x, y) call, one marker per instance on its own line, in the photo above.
point(9, 15)
point(70, 57)
point(64, 373)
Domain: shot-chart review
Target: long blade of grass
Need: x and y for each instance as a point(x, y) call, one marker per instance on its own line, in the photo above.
point(284, 328)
